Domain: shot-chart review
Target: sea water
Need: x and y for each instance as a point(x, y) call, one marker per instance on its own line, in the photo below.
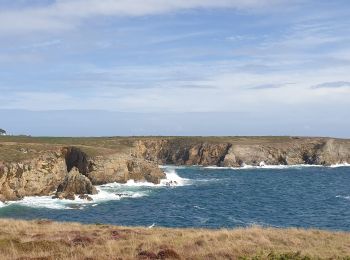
point(210, 197)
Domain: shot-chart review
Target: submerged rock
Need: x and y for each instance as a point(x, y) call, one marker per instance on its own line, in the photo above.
point(85, 197)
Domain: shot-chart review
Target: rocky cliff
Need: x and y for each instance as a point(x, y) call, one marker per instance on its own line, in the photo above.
point(34, 166)
point(38, 176)
point(236, 153)
point(121, 168)
point(70, 171)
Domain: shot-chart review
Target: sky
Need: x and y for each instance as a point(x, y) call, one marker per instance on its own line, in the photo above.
point(175, 67)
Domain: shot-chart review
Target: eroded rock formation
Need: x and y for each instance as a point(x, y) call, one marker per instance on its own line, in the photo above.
point(75, 183)
point(287, 151)
point(49, 172)
point(75, 157)
point(36, 177)
point(121, 168)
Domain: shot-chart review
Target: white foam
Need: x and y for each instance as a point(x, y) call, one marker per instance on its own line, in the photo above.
point(40, 202)
point(2, 204)
point(264, 166)
point(197, 207)
point(340, 165)
point(49, 202)
point(172, 179)
point(176, 166)
point(343, 197)
point(107, 192)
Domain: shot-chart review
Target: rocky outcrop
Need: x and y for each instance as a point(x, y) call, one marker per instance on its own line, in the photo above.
point(182, 152)
point(121, 168)
point(36, 177)
point(286, 151)
point(318, 152)
point(75, 183)
point(49, 172)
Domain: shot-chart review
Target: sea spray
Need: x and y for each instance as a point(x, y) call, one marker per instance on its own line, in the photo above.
point(107, 192)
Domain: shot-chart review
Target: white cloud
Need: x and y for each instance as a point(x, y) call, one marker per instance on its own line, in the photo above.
point(228, 92)
point(67, 14)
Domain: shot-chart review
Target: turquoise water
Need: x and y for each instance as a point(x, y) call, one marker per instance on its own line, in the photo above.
point(309, 197)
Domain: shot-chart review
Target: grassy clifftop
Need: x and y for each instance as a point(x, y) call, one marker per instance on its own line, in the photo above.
point(50, 240)
point(17, 148)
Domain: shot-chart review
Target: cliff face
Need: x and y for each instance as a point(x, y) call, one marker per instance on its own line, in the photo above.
point(43, 175)
point(39, 176)
point(121, 168)
point(322, 151)
point(182, 152)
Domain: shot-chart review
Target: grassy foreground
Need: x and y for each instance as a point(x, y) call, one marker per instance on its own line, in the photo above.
point(43, 239)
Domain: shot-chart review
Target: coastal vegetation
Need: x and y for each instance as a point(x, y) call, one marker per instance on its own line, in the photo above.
point(44, 239)
point(2, 131)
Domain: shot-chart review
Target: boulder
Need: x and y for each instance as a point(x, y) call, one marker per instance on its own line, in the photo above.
point(75, 183)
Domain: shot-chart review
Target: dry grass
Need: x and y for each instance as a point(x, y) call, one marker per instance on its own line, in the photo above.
point(50, 240)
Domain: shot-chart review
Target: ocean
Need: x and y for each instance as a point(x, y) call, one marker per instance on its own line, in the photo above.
point(210, 197)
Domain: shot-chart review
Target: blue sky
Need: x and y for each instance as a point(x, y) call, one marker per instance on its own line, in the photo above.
point(175, 67)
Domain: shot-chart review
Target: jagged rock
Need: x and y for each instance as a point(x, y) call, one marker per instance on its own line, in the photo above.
point(121, 168)
point(181, 151)
point(64, 195)
point(36, 177)
point(75, 183)
point(85, 197)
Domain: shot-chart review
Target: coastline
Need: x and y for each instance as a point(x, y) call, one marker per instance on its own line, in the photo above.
point(171, 180)
point(37, 238)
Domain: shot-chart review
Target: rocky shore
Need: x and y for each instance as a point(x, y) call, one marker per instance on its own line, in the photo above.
point(42, 166)
point(248, 151)
point(69, 171)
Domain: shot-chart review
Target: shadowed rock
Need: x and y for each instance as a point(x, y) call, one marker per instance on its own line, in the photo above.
point(76, 158)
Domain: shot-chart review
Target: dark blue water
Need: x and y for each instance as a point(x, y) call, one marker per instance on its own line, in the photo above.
point(316, 197)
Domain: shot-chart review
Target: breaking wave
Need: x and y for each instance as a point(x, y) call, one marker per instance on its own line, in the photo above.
point(106, 192)
point(340, 165)
point(265, 166)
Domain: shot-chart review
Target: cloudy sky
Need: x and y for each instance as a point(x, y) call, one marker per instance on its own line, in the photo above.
point(175, 67)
